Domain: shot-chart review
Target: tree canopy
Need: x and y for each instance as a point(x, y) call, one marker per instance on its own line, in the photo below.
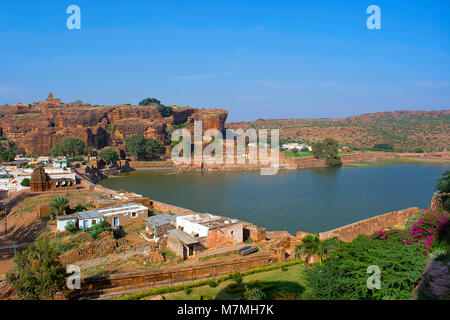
point(109, 155)
point(383, 147)
point(149, 101)
point(69, 146)
point(144, 148)
point(37, 275)
point(329, 150)
point(165, 111)
point(443, 186)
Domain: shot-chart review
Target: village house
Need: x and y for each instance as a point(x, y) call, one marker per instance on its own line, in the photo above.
point(117, 216)
point(183, 244)
point(124, 214)
point(202, 231)
point(87, 219)
point(297, 146)
point(62, 221)
point(60, 162)
point(160, 224)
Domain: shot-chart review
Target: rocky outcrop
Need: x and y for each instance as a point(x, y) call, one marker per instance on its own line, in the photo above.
point(35, 128)
point(435, 282)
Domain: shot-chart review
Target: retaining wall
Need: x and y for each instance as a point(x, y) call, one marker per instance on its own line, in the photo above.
point(368, 226)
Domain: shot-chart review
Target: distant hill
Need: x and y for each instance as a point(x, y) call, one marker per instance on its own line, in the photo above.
point(404, 130)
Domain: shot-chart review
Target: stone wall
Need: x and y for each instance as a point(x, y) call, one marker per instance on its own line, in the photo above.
point(368, 226)
point(164, 207)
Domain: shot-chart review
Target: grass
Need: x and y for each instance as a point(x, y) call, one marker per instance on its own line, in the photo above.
point(300, 154)
point(397, 161)
point(168, 255)
point(290, 280)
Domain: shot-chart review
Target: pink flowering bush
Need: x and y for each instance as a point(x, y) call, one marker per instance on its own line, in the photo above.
point(423, 229)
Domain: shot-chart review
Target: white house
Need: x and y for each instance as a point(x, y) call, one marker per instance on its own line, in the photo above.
point(198, 225)
point(62, 221)
point(87, 219)
point(294, 145)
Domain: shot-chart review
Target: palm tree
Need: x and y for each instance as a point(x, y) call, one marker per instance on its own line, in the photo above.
point(59, 204)
point(309, 247)
point(325, 247)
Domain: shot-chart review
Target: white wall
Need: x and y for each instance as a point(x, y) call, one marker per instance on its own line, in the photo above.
point(89, 222)
point(61, 224)
point(192, 227)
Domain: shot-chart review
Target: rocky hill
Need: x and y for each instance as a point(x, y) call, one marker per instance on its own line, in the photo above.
point(404, 130)
point(36, 127)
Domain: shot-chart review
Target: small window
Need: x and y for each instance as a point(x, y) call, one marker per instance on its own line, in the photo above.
point(232, 232)
point(94, 221)
point(133, 214)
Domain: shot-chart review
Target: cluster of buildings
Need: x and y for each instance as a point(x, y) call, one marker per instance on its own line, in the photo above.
point(116, 216)
point(295, 146)
point(48, 176)
point(186, 234)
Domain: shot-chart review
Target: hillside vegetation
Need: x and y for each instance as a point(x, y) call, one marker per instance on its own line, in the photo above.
point(404, 130)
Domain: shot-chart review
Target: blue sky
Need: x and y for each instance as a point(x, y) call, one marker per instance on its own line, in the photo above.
point(257, 59)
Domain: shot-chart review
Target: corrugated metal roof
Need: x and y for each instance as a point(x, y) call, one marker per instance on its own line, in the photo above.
point(161, 219)
point(90, 214)
point(182, 236)
point(67, 217)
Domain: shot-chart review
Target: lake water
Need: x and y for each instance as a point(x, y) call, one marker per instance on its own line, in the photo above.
point(313, 200)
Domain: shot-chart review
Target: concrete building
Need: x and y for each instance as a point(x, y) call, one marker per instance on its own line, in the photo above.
point(62, 221)
point(60, 162)
point(182, 244)
point(87, 219)
point(160, 224)
point(215, 231)
point(124, 214)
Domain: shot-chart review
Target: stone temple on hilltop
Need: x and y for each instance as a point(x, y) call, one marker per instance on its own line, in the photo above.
point(51, 101)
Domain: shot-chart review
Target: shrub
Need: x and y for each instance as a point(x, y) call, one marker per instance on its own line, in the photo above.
point(425, 230)
point(237, 277)
point(25, 182)
point(98, 228)
point(252, 294)
point(283, 268)
point(71, 227)
point(187, 291)
point(212, 283)
point(344, 274)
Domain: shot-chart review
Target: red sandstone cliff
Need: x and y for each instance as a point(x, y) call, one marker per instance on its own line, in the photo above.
point(35, 128)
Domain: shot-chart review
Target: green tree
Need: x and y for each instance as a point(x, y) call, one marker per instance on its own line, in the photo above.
point(165, 111)
point(149, 101)
point(419, 150)
point(143, 148)
point(309, 247)
point(69, 146)
point(329, 150)
point(37, 274)
point(383, 147)
point(109, 155)
point(443, 186)
point(25, 182)
point(317, 150)
point(59, 204)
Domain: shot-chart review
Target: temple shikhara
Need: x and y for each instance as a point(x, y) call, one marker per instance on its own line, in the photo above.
point(51, 101)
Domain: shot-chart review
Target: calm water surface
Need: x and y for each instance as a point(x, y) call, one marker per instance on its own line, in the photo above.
point(313, 200)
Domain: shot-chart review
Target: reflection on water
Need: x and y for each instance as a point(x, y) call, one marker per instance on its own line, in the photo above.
point(312, 200)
